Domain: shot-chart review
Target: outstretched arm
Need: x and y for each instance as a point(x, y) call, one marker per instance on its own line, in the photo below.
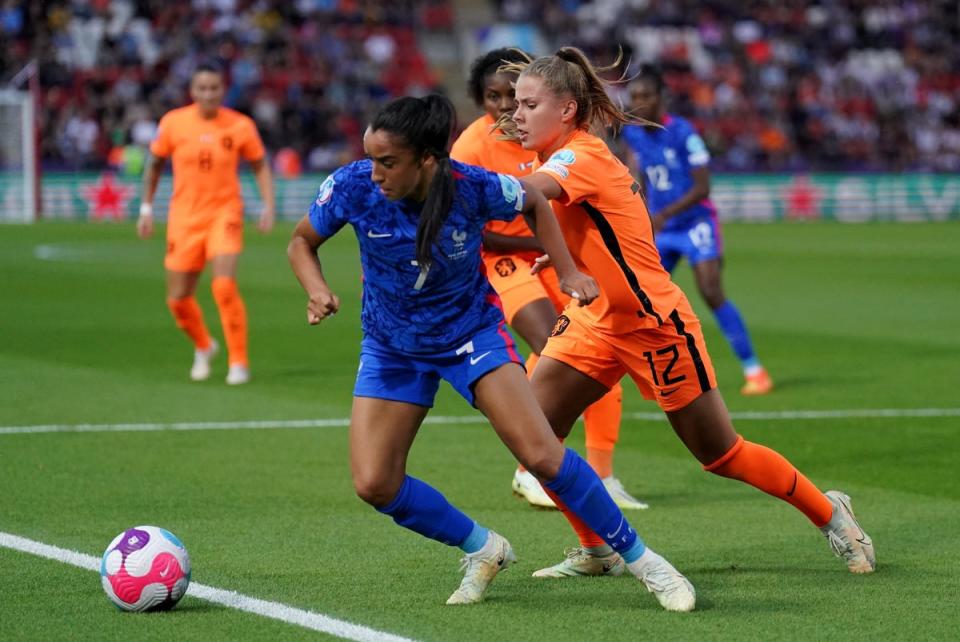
point(302, 254)
point(544, 224)
point(510, 244)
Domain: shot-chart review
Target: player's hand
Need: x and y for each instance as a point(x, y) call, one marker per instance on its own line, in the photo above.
point(581, 287)
point(267, 218)
point(145, 226)
point(322, 305)
point(540, 263)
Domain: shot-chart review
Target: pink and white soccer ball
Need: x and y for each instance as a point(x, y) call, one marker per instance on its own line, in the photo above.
point(145, 568)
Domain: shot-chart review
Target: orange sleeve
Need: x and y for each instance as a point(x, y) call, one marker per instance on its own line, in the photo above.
point(251, 147)
point(575, 169)
point(162, 143)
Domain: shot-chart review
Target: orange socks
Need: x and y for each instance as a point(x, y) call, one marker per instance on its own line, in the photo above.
point(233, 317)
point(770, 472)
point(189, 317)
point(602, 427)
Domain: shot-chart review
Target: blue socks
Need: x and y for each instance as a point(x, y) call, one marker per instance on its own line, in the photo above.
point(475, 540)
point(581, 490)
point(422, 509)
point(735, 330)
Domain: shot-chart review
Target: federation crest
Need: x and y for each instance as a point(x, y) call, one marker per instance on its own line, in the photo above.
point(563, 322)
point(505, 267)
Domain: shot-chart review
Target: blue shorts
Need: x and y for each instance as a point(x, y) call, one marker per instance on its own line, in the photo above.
point(700, 241)
point(386, 373)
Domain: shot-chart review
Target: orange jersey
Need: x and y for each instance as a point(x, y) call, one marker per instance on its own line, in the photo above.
point(206, 154)
point(479, 145)
point(607, 228)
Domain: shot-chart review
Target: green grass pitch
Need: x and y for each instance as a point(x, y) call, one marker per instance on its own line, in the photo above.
point(846, 317)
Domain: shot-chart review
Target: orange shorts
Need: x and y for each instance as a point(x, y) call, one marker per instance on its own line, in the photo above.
point(509, 274)
point(189, 247)
point(669, 363)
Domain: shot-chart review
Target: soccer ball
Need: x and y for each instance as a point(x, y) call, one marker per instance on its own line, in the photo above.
point(145, 568)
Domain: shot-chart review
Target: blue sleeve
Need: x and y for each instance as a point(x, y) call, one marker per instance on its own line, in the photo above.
point(504, 196)
point(331, 209)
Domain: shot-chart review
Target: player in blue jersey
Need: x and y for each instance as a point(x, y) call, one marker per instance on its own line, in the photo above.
point(674, 162)
point(428, 314)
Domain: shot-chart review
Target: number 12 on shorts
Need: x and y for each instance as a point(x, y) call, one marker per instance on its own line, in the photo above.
point(664, 379)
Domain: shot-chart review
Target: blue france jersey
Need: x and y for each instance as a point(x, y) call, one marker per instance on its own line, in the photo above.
point(403, 307)
point(666, 157)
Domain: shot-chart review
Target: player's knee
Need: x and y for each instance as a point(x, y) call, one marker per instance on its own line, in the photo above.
point(374, 489)
point(544, 465)
point(713, 295)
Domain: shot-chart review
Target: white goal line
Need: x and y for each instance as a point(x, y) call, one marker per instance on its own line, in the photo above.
point(229, 599)
point(748, 415)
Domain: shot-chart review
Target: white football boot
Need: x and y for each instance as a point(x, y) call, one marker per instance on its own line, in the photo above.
point(846, 537)
point(668, 585)
point(200, 371)
point(238, 374)
point(580, 563)
point(527, 486)
point(480, 569)
point(621, 497)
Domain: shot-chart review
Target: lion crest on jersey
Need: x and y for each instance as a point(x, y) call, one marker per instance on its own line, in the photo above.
point(563, 322)
point(505, 267)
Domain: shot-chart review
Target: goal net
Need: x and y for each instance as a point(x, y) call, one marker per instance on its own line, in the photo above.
point(18, 159)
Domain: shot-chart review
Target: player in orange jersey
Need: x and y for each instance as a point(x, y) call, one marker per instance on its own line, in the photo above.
point(674, 162)
point(531, 302)
point(641, 324)
point(205, 222)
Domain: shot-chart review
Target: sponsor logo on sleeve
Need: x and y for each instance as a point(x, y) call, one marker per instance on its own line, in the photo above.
point(512, 191)
point(326, 190)
point(560, 161)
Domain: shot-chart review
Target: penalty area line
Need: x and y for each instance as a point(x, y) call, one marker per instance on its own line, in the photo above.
point(748, 415)
point(229, 599)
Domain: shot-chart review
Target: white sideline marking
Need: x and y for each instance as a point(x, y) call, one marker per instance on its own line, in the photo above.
point(749, 415)
point(230, 599)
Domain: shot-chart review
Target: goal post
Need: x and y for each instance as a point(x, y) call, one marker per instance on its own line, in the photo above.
point(19, 176)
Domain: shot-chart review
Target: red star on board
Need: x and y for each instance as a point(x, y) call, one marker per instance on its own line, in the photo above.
point(803, 198)
point(108, 199)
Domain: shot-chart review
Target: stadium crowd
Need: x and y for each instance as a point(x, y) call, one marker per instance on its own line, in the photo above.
point(847, 85)
point(306, 71)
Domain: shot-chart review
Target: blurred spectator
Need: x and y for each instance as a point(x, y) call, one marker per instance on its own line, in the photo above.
point(826, 84)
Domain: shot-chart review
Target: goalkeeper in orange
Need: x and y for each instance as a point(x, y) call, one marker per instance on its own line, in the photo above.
point(206, 141)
